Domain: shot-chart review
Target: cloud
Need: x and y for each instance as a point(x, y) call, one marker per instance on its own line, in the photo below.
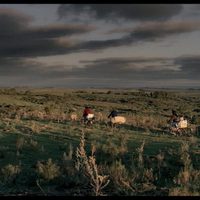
point(19, 39)
point(139, 68)
point(116, 72)
point(127, 68)
point(191, 10)
point(153, 31)
point(124, 72)
point(147, 32)
point(117, 12)
point(160, 29)
point(11, 20)
point(19, 67)
point(190, 66)
point(146, 69)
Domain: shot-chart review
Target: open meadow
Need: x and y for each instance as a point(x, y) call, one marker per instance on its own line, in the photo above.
point(44, 152)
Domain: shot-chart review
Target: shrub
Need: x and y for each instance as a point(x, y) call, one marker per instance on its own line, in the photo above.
point(19, 144)
point(90, 168)
point(186, 181)
point(10, 172)
point(33, 143)
point(48, 170)
point(120, 177)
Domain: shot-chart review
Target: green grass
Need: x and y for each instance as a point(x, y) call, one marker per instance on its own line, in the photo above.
point(56, 138)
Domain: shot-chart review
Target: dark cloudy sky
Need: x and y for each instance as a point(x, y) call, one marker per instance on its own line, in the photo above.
point(100, 45)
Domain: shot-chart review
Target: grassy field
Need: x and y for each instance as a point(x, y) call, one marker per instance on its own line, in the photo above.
point(43, 152)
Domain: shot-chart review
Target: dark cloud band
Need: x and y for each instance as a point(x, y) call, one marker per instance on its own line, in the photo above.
point(116, 12)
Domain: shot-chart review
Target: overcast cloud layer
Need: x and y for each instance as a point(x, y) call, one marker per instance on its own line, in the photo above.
point(118, 12)
point(100, 45)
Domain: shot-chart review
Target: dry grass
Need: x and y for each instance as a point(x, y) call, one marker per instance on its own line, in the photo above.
point(48, 170)
point(90, 168)
point(187, 184)
point(9, 172)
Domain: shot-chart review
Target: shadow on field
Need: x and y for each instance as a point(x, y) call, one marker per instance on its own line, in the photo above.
point(144, 129)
